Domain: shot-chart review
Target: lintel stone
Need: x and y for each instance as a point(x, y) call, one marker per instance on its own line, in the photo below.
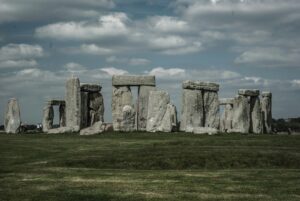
point(248, 92)
point(133, 80)
point(197, 85)
point(226, 101)
point(56, 102)
point(90, 87)
point(266, 94)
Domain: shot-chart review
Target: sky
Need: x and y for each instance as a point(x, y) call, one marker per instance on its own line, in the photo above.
point(237, 43)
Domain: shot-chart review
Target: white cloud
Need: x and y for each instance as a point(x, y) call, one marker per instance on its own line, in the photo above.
point(169, 73)
point(129, 61)
point(138, 61)
point(18, 64)
point(20, 51)
point(74, 67)
point(167, 24)
point(112, 25)
point(114, 71)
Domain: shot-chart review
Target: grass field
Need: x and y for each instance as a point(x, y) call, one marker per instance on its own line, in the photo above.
point(142, 166)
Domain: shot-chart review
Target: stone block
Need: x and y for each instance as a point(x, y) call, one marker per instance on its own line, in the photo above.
point(133, 80)
point(90, 87)
point(143, 99)
point(12, 118)
point(248, 92)
point(197, 85)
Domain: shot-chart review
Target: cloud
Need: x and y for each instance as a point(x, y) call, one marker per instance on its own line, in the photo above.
point(167, 24)
point(138, 62)
point(18, 64)
point(129, 61)
point(90, 49)
point(74, 67)
point(108, 26)
point(114, 71)
point(167, 73)
point(20, 51)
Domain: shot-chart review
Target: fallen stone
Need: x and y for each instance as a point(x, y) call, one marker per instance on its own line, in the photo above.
point(197, 85)
point(48, 116)
point(121, 96)
point(225, 101)
point(248, 92)
point(241, 115)
point(169, 121)
point(12, 119)
point(128, 122)
point(143, 99)
point(192, 109)
point(256, 117)
point(158, 103)
point(205, 130)
point(133, 80)
point(211, 109)
point(62, 130)
point(266, 108)
point(73, 103)
point(90, 87)
point(96, 128)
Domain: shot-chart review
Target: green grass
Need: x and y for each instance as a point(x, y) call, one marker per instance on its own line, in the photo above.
point(140, 166)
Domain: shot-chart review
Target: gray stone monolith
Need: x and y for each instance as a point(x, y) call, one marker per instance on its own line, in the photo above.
point(266, 107)
point(143, 99)
point(256, 116)
point(128, 121)
point(121, 96)
point(84, 109)
point(241, 114)
point(157, 107)
point(62, 115)
point(73, 104)
point(226, 119)
point(211, 109)
point(169, 121)
point(96, 106)
point(192, 109)
point(12, 119)
point(48, 116)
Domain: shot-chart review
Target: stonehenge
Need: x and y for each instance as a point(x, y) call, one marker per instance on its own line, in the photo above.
point(266, 107)
point(48, 114)
point(126, 115)
point(227, 116)
point(200, 105)
point(12, 118)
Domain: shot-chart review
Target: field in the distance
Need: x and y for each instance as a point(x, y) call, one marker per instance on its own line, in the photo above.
point(141, 166)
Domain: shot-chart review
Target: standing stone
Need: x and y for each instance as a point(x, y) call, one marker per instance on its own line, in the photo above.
point(121, 96)
point(211, 109)
point(12, 119)
point(256, 117)
point(158, 103)
point(84, 109)
point(48, 116)
point(96, 107)
point(192, 109)
point(143, 99)
point(169, 121)
point(128, 122)
point(62, 115)
point(73, 104)
point(226, 120)
point(241, 114)
point(266, 107)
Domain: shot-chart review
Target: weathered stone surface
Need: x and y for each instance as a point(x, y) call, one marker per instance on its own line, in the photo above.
point(84, 109)
point(266, 108)
point(205, 130)
point(96, 106)
point(128, 122)
point(56, 102)
point(226, 119)
point(121, 96)
point(48, 116)
point(90, 87)
point(108, 127)
point(248, 92)
point(225, 101)
point(12, 119)
point(197, 85)
point(133, 80)
point(96, 128)
point(241, 114)
point(62, 130)
point(73, 103)
point(169, 121)
point(158, 103)
point(211, 109)
point(256, 117)
point(192, 109)
point(143, 99)
point(62, 115)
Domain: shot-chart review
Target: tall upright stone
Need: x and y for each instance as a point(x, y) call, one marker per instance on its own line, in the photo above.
point(96, 106)
point(256, 115)
point(143, 100)
point(48, 116)
point(73, 104)
point(227, 116)
point(192, 109)
point(84, 109)
point(169, 121)
point(128, 121)
point(157, 107)
point(121, 96)
point(12, 119)
point(211, 109)
point(241, 114)
point(266, 107)
point(62, 115)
